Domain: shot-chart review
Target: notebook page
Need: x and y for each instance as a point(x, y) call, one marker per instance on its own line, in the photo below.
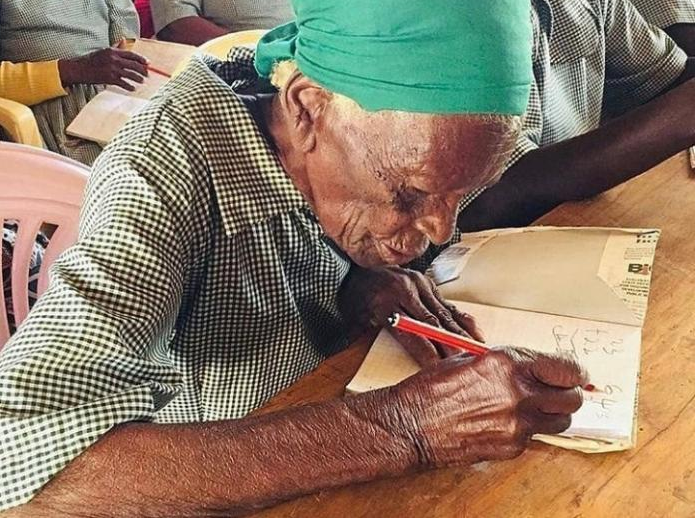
point(386, 364)
point(104, 115)
point(609, 352)
point(108, 111)
point(164, 55)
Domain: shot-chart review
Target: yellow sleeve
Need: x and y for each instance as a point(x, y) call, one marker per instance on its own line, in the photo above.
point(30, 83)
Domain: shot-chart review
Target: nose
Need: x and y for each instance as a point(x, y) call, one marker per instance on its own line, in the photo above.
point(438, 226)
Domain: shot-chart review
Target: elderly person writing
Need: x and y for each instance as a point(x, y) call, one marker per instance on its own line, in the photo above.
point(54, 55)
point(220, 231)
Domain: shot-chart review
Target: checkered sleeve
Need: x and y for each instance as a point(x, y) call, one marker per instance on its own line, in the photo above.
point(531, 134)
point(641, 60)
point(123, 20)
point(165, 12)
point(665, 13)
point(92, 353)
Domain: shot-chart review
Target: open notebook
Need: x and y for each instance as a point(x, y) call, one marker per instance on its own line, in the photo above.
point(582, 291)
point(108, 111)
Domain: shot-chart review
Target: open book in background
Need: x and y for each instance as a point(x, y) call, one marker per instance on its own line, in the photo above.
point(108, 111)
point(581, 291)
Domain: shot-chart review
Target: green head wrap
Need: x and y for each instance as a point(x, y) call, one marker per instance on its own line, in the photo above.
point(430, 56)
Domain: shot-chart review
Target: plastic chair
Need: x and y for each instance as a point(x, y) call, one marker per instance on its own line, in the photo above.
point(19, 123)
point(220, 46)
point(36, 187)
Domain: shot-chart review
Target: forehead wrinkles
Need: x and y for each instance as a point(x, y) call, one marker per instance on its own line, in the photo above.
point(477, 146)
point(396, 145)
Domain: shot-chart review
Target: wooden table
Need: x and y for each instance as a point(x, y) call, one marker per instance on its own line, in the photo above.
point(656, 479)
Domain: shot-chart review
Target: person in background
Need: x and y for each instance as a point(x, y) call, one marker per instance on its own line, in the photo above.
point(221, 229)
point(591, 58)
point(56, 55)
point(196, 21)
point(675, 17)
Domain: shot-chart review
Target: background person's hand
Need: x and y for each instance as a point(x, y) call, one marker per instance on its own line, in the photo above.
point(110, 66)
point(466, 410)
point(369, 296)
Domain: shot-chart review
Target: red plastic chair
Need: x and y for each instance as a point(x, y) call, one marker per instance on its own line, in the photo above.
point(37, 187)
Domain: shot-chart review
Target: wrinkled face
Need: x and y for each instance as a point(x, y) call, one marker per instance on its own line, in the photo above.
point(386, 185)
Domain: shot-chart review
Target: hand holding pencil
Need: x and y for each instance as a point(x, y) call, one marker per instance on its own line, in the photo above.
point(465, 410)
point(442, 336)
point(370, 296)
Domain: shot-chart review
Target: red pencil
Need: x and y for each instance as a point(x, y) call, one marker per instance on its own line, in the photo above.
point(410, 325)
point(157, 71)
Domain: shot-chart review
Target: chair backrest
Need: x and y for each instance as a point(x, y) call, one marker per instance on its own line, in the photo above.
point(37, 187)
point(19, 123)
point(220, 46)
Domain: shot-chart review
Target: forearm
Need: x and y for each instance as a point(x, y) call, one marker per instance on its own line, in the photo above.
point(227, 468)
point(192, 30)
point(587, 165)
point(30, 83)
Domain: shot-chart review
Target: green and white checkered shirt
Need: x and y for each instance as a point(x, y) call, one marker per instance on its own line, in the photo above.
point(588, 54)
point(200, 286)
point(665, 13)
point(236, 15)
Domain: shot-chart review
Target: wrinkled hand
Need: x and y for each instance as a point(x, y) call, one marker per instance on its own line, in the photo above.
point(464, 410)
point(110, 66)
point(369, 296)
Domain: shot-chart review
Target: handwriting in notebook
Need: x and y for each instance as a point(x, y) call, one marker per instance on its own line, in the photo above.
point(583, 342)
point(603, 400)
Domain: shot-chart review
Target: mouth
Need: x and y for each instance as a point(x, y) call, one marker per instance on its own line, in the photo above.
point(392, 255)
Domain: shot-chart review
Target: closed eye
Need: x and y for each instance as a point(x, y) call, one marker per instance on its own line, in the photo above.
point(408, 199)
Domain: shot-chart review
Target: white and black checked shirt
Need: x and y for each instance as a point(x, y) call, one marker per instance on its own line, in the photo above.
point(200, 286)
point(589, 54)
point(236, 15)
point(665, 13)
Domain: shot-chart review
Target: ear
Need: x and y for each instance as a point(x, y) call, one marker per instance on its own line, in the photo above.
point(306, 104)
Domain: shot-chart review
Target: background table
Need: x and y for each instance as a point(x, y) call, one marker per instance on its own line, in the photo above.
point(656, 479)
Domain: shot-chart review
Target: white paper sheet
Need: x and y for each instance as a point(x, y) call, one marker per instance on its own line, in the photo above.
point(609, 352)
point(582, 291)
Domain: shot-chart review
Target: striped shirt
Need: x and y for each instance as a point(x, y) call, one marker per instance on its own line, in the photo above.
point(200, 286)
